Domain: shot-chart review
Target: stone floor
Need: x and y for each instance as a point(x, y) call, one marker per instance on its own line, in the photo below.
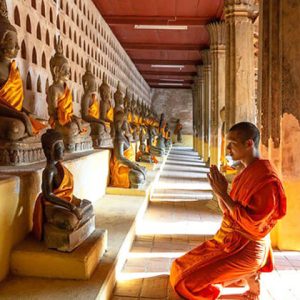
point(180, 216)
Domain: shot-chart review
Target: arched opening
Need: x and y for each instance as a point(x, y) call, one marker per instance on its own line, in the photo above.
point(47, 86)
point(43, 9)
point(39, 85)
point(51, 15)
point(28, 82)
point(33, 3)
point(23, 50)
point(58, 22)
point(47, 38)
point(34, 56)
point(38, 32)
point(44, 63)
point(28, 24)
point(17, 16)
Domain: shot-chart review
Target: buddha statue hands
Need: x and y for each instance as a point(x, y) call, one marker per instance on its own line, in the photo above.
point(56, 208)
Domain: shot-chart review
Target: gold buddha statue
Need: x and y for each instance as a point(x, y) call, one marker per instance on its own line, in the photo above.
point(128, 116)
point(19, 129)
point(124, 171)
point(90, 107)
point(75, 132)
point(106, 115)
point(62, 220)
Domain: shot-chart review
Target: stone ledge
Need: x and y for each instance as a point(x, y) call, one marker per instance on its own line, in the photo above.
point(33, 258)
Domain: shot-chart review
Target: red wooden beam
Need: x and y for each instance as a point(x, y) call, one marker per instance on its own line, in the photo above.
point(151, 46)
point(165, 81)
point(163, 73)
point(166, 62)
point(170, 87)
point(155, 20)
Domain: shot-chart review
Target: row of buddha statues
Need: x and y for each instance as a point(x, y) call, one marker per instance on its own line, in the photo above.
point(24, 138)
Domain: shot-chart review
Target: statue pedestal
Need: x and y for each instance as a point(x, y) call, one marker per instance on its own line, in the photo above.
point(33, 258)
point(149, 166)
point(143, 191)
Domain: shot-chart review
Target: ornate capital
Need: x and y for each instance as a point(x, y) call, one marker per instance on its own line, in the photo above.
point(217, 33)
point(239, 8)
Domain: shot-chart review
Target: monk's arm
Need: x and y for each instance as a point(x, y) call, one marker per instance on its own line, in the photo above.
point(260, 210)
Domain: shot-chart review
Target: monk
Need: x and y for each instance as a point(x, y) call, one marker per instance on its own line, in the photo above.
point(241, 247)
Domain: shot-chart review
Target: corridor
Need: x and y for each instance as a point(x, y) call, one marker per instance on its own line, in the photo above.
point(181, 215)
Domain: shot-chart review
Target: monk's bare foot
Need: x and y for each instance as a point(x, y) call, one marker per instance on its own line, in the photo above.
point(254, 287)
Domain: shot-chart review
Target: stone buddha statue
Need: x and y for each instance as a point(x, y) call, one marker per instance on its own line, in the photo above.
point(19, 129)
point(168, 141)
point(126, 125)
point(153, 136)
point(124, 171)
point(161, 135)
point(177, 131)
point(75, 132)
point(90, 107)
point(60, 219)
point(134, 119)
point(119, 100)
point(106, 114)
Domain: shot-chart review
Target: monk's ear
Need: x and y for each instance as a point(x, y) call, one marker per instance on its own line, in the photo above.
point(250, 143)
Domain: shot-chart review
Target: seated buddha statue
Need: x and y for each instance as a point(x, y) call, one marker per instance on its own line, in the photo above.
point(75, 132)
point(106, 115)
point(124, 171)
point(177, 131)
point(134, 119)
point(153, 137)
point(167, 136)
point(161, 132)
point(57, 212)
point(126, 125)
point(90, 106)
point(19, 130)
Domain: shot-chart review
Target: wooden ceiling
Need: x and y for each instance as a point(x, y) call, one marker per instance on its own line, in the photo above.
point(178, 51)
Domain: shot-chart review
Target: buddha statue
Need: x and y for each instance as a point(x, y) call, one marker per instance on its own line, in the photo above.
point(75, 132)
point(61, 219)
point(153, 137)
point(177, 131)
point(19, 129)
point(134, 120)
point(119, 100)
point(124, 171)
point(167, 136)
point(161, 135)
point(106, 115)
point(90, 106)
point(126, 125)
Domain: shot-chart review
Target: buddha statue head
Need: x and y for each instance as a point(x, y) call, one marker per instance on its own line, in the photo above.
point(105, 89)
point(59, 65)
point(53, 145)
point(88, 79)
point(118, 97)
point(126, 99)
point(133, 104)
point(9, 46)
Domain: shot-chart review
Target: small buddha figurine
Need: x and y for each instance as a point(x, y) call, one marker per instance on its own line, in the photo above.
point(119, 100)
point(57, 212)
point(126, 125)
point(75, 132)
point(19, 130)
point(161, 136)
point(90, 106)
point(178, 130)
point(106, 114)
point(124, 171)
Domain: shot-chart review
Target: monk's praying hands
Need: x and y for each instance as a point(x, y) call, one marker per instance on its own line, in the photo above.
point(217, 181)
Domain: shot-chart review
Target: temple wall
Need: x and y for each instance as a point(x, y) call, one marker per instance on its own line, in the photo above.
point(176, 104)
point(85, 36)
point(19, 190)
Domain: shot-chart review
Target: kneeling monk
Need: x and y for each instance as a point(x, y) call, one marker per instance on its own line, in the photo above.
point(241, 247)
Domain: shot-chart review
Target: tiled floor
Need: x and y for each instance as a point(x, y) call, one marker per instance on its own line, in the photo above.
point(181, 216)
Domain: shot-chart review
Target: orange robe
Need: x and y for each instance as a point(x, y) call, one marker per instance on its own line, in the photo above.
point(94, 108)
point(241, 246)
point(12, 95)
point(64, 191)
point(119, 172)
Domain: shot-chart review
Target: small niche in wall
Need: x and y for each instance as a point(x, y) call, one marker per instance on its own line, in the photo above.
point(70, 33)
point(38, 32)
point(67, 9)
point(64, 28)
point(28, 82)
point(47, 38)
point(51, 15)
point(17, 16)
point(43, 9)
point(28, 24)
point(39, 85)
point(33, 3)
point(47, 86)
point(58, 22)
point(44, 63)
point(34, 56)
point(23, 50)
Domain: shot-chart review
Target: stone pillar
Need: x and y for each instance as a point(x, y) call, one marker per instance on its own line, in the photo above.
point(206, 57)
point(217, 33)
point(279, 91)
point(239, 101)
point(201, 109)
point(195, 108)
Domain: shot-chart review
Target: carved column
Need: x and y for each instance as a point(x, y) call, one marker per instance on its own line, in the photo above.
point(195, 109)
point(206, 57)
point(279, 91)
point(217, 33)
point(239, 101)
point(201, 110)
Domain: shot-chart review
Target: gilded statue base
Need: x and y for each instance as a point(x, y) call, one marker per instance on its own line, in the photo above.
point(26, 151)
point(67, 241)
point(99, 143)
point(84, 144)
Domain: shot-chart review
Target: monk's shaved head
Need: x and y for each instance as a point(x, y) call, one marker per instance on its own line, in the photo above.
point(247, 131)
